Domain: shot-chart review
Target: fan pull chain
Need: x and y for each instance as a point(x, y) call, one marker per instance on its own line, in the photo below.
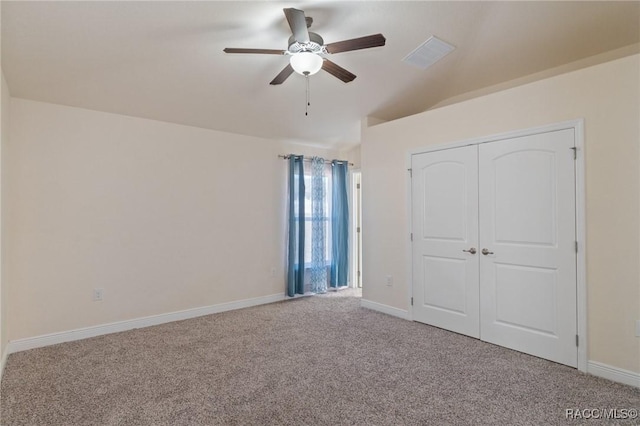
point(306, 108)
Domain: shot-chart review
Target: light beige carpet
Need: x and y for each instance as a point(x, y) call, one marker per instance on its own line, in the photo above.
point(316, 360)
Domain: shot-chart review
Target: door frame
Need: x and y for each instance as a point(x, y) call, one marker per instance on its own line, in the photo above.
point(581, 234)
point(353, 235)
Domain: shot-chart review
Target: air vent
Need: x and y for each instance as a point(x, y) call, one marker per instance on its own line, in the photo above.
point(428, 53)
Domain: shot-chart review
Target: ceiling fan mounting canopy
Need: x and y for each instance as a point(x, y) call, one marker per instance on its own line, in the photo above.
point(307, 50)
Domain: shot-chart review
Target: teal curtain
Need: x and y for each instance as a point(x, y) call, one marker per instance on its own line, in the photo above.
point(339, 224)
point(295, 264)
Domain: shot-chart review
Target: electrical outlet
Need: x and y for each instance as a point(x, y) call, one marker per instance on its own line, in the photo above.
point(98, 293)
point(273, 271)
point(389, 281)
point(637, 328)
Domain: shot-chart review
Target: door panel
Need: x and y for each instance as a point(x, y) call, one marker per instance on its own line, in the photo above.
point(532, 198)
point(450, 297)
point(445, 209)
point(445, 222)
point(525, 298)
point(527, 223)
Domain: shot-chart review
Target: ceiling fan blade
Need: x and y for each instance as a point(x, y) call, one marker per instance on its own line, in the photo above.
point(264, 51)
point(337, 71)
point(365, 42)
point(298, 24)
point(284, 74)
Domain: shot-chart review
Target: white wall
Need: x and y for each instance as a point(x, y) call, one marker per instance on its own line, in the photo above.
point(352, 155)
point(4, 140)
point(607, 97)
point(162, 217)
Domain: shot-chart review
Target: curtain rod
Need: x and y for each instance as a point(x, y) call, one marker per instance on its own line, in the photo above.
point(286, 157)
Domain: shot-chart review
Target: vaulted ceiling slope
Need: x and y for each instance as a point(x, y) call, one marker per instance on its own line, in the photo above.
point(165, 60)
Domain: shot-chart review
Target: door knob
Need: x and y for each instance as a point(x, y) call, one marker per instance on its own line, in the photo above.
point(486, 251)
point(472, 250)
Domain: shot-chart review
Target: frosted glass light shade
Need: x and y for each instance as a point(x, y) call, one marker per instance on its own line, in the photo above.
point(306, 63)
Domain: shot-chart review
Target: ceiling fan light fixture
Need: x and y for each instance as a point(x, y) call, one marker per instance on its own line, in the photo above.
point(306, 63)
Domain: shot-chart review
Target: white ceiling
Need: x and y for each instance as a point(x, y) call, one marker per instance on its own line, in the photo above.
point(164, 60)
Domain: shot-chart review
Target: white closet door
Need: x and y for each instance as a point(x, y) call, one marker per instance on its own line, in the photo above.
point(527, 223)
point(445, 224)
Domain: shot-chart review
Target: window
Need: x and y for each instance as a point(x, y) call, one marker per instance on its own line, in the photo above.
point(309, 219)
point(318, 235)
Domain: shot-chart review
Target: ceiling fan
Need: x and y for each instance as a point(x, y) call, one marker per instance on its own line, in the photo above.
point(307, 49)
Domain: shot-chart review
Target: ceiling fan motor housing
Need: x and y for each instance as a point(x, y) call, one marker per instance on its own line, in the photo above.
point(315, 45)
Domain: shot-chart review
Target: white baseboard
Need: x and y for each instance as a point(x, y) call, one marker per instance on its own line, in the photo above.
point(613, 373)
point(115, 327)
point(386, 309)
